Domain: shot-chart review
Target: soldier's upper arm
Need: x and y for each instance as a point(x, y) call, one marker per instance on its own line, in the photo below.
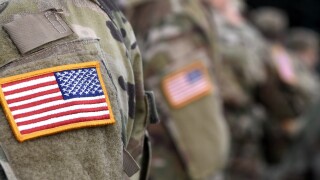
point(70, 82)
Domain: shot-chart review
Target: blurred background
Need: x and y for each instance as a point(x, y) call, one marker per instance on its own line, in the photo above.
point(300, 12)
point(237, 87)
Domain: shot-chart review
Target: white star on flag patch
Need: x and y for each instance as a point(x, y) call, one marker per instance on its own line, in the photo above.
point(56, 99)
point(187, 85)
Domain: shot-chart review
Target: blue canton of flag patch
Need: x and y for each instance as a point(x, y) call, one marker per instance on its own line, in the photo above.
point(79, 83)
point(194, 76)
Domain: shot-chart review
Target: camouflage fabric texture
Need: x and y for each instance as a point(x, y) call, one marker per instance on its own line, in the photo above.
point(101, 33)
point(243, 71)
point(258, 82)
point(287, 90)
point(282, 65)
point(180, 35)
point(292, 98)
point(301, 161)
point(241, 48)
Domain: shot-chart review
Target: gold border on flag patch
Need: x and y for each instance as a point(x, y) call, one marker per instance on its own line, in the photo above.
point(187, 85)
point(54, 100)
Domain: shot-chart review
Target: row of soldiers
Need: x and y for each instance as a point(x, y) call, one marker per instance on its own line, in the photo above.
point(232, 95)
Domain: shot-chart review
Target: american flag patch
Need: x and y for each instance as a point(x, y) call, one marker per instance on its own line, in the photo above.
point(187, 85)
point(284, 66)
point(57, 99)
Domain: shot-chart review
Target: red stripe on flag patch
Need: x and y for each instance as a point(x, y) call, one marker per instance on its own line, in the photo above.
point(26, 80)
point(61, 114)
point(64, 123)
point(30, 87)
point(37, 103)
point(68, 104)
point(32, 96)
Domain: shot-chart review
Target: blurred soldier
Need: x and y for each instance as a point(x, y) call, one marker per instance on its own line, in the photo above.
point(243, 71)
point(290, 87)
point(178, 44)
point(304, 43)
point(72, 93)
point(303, 160)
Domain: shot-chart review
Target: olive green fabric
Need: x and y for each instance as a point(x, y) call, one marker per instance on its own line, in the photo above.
point(33, 35)
point(89, 153)
point(130, 166)
point(6, 170)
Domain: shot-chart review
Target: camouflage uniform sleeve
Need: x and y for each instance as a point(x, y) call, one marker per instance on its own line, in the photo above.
point(283, 101)
point(136, 130)
point(114, 48)
point(173, 45)
point(133, 132)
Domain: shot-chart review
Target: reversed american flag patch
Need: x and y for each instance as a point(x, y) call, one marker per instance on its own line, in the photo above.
point(187, 85)
point(56, 99)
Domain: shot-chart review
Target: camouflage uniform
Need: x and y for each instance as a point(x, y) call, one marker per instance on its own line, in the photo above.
point(196, 133)
point(302, 161)
point(289, 89)
point(96, 31)
point(304, 44)
point(242, 72)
